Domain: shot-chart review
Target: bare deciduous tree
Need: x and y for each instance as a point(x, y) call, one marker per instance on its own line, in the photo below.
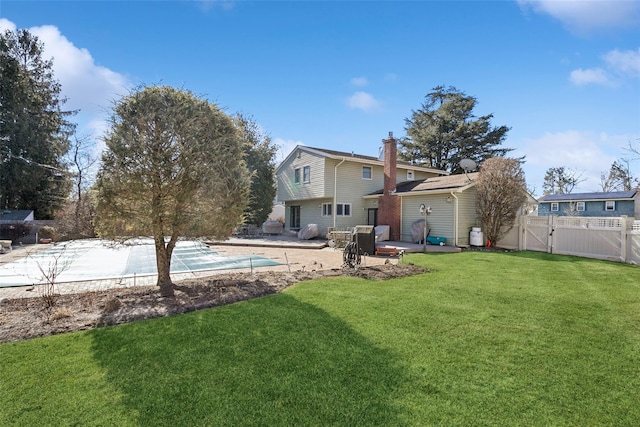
point(561, 180)
point(77, 214)
point(502, 192)
point(619, 177)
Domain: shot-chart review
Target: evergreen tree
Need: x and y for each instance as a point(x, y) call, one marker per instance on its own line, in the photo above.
point(34, 130)
point(173, 167)
point(444, 131)
point(259, 155)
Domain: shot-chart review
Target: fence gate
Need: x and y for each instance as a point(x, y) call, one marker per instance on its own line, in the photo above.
point(537, 233)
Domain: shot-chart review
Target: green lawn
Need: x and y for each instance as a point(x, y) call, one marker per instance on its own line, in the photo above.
point(484, 339)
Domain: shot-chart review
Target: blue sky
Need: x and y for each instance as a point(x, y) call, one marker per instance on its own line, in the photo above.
point(564, 75)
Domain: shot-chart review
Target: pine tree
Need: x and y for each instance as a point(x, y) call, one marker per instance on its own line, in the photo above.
point(444, 131)
point(34, 130)
point(259, 155)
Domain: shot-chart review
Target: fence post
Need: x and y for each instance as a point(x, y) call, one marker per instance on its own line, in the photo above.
point(623, 238)
point(522, 235)
point(551, 238)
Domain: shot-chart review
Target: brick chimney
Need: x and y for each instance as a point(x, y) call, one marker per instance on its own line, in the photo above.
point(389, 203)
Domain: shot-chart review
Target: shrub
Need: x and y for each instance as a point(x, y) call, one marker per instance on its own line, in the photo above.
point(47, 232)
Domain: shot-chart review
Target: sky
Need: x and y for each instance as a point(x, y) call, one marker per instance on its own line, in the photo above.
point(563, 75)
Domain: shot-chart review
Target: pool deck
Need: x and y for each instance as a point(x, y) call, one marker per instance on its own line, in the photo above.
point(283, 241)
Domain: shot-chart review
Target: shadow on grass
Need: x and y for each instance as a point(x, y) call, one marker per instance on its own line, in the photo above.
point(272, 361)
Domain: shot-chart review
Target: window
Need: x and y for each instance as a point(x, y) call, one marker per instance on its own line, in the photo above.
point(610, 205)
point(343, 209)
point(306, 174)
point(580, 206)
point(409, 175)
point(296, 176)
point(366, 172)
point(555, 207)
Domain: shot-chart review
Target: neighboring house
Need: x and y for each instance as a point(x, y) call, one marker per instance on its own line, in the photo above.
point(326, 187)
point(15, 216)
point(603, 204)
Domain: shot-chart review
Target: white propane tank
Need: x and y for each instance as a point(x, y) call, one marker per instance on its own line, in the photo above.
point(475, 237)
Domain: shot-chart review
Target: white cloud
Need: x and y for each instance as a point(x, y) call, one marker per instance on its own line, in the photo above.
point(619, 64)
point(5, 25)
point(580, 16)
point(625, 62)
point(88, 87)
point(359, 81)
point(592, 75)
point(285, 146)
point(587, 153)
point(363, 101)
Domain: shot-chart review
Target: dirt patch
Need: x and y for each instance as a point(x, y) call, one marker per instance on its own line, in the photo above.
point(23, 318)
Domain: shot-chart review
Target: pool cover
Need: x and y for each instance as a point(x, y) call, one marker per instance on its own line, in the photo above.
point(94, 259)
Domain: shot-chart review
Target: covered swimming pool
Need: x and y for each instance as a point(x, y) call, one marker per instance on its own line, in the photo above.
point(95, 259)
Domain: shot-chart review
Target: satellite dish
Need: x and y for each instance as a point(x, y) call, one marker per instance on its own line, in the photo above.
point(467, 165)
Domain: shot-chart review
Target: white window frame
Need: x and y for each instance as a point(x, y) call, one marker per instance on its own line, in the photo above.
point(555, 206)
point(370, 169)
point(306, 174)
point(342, 207)
point(610, 205)
point(410, 176)
point(580, 206)
point(297, 175)
point(327, 209)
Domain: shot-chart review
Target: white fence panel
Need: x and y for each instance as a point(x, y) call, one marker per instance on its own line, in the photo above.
point(511, 240)
point(601, 238)
point(615, 239)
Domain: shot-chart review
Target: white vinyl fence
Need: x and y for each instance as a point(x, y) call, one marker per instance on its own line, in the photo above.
point(614, 239)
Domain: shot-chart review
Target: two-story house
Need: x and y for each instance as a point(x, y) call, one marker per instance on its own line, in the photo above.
point(327, 187)
point(600, 204)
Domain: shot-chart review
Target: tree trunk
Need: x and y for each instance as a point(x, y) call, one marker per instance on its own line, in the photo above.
point(163, 262)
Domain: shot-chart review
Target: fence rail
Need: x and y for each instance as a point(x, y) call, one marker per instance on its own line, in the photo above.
point(614, 239)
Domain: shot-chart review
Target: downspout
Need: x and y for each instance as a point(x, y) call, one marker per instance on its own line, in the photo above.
point(455, 219)
point(335, 191)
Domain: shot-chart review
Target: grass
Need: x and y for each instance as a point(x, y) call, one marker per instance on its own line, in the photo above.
point(484, 339)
